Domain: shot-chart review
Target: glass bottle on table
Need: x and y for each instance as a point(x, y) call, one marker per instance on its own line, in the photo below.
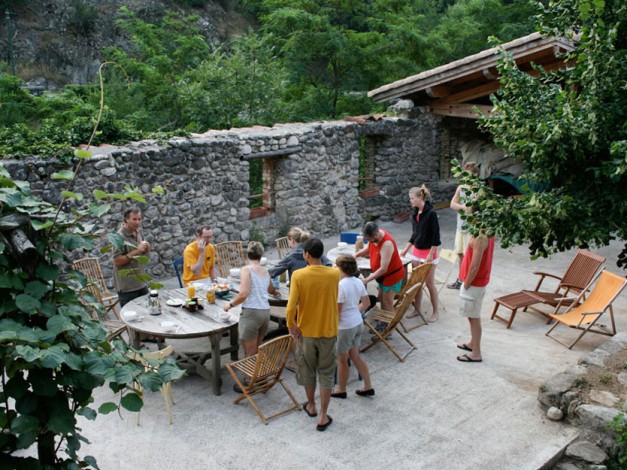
point(191, 291)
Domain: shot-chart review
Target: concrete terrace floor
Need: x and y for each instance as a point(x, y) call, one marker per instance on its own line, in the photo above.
point(430, 412)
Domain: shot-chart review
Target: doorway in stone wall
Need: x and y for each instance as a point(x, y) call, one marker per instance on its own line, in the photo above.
point(369, 146)
point(262, 199)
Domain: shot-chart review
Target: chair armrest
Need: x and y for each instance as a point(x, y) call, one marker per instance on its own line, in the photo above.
point(544, 275)
point(591, 313)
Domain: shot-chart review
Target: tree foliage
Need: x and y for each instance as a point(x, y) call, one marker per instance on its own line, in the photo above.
point(569, 129)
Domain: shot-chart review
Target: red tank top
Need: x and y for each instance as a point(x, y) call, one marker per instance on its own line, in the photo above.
point(395, 271)
point(483, 276)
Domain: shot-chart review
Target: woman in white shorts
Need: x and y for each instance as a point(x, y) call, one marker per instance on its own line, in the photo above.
point(352, 301)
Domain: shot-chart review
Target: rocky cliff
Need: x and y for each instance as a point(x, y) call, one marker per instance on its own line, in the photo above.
point(56, 42)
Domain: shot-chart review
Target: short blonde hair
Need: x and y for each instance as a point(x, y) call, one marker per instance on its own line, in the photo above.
point(254, 250)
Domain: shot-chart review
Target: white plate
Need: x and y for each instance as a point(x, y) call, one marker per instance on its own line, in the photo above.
point(174, 303)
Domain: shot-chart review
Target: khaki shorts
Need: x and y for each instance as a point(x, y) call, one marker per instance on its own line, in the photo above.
point(470, 301)
point(253, 323)
point(316, 356)
point(461, 242)
point(349, 338)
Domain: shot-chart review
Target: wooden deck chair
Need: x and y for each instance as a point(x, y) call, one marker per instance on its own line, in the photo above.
point(282, 247)
point(418, 276)
point(166, 388)
point(574, 281)
point(262, 372)
point(451, 257)
point(584, 316)
point(229, 255)
point(90, 267)
point(391, 320)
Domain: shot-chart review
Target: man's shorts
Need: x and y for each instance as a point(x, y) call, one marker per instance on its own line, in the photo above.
point(253, 323)
point(316, 355)
point(470, 301)
point(349, 338)
point(395, 287)
point(462, 239)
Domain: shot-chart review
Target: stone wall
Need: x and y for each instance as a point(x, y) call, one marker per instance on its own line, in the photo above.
point(311, 172)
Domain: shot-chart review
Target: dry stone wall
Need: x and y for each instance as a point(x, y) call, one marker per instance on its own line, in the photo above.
point(313, 172)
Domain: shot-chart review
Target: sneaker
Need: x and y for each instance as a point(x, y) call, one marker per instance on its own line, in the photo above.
point(455, 285)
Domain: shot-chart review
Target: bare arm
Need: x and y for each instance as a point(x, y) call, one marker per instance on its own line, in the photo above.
point(456, 204)
point(197, 266)
point(406, 249)
point(364, 303)
point(123, 259)
point(244, 288)
point(478, 246)
point(386, 256)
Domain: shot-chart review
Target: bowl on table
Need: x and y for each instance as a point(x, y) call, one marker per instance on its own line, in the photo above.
point(342, 245)
point(264, 261)
point(224, 316)
point(168, 326)
point(222, 290)
point(234, 273)
point(130, 315)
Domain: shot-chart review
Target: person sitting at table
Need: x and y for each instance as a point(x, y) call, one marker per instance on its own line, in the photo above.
point(255, 284)
point(352, 301)
point(294, 259)
point(199, 257)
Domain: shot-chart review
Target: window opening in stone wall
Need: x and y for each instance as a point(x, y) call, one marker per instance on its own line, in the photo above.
point(261, 184)
point(368, 146)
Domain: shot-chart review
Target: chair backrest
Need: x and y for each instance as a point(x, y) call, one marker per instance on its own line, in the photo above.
point(271, 359)
point(154, 355)
point(282, 247)
point(90, 267)
point(608, 287)
point(177, 263)
point(399, 312)
point(229, 255)
point(581, 271)
point(418, 276)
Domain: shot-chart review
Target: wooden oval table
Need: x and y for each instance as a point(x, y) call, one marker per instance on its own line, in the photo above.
point(203, 323)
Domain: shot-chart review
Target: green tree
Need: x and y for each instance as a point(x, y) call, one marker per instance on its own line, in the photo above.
point(569, 129)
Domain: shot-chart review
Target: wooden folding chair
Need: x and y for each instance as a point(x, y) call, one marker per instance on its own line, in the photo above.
point(451, 257)
point(391, 320)
point(584, 313)
point(574, 281)
point(90, 267)
point(282, 247)
point(166, 387)
point(262, 372)
point(418, 276)
point(229, 255)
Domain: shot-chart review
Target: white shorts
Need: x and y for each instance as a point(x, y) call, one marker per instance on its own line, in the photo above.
point(470, 301)
point(461, 242)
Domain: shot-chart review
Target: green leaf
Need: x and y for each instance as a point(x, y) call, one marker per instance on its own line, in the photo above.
point(62, 419)
point(132, 402)
point(53, 357)
point(72, 195)
point(150, 381)
point(73, 241)
point(99, 210)
point(99, 194)
point(169, 371)
point(63, 175)
point(36, 289)
point(28, 353)
point(125, 374)
point(107, 408)
point(88, 413)
point(47, 272)
point(158, 190)
point(83, 153)
point(24, 423)
point(40, 225)
point(116, 240)
point(27, 303)
point(59, 323)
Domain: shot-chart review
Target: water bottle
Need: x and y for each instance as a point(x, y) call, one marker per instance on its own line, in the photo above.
point(154, 307)
point(276, 282)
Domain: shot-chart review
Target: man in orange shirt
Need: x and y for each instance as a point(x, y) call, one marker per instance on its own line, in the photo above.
point(313, 295)
point(199, 259)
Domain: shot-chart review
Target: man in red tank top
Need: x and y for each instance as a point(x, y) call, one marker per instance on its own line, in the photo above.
point(475, 275)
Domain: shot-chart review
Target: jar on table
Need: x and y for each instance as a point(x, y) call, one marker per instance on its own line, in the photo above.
point(211, 295)
point(154, 308)
point(359, 243)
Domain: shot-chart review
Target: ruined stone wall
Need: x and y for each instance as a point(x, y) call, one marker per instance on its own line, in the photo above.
point(314, 172)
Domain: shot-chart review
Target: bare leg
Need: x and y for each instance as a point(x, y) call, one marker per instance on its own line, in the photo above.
point(433, 293)
point(342, 372)
point(311, 399)
point(418, 299)
point(387, 299)
point(475, 335)
point(460, 256)
point(250, 347)
point(361, 367)
point(325, 398)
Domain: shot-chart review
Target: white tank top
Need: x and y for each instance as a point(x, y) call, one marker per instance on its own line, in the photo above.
point(258, 296)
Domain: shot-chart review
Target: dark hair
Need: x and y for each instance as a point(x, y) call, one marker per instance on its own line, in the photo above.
point(370, 229)
point(254, 250)
point(202, 229)
point(314, 247)
point(132, 210)
point(348, 265)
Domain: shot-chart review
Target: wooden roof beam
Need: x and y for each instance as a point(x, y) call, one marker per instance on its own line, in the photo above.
point(438, 91)
point(470, 94)
point(460, 110)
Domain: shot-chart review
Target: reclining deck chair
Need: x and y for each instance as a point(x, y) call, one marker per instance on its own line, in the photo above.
point(575, 281)
point(229, 255)
point(391, 320)
point(90, 267)
point(418, 276)
point(583, 316)
point(262, 372)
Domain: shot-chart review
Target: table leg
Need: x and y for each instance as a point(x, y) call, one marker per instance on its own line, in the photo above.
point(133, 337)
point(215, 362)
point(234, 334)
